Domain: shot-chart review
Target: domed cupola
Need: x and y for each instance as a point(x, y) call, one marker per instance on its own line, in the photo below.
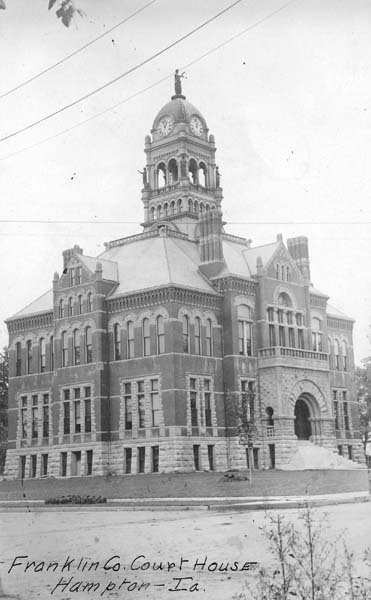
point(180, 178)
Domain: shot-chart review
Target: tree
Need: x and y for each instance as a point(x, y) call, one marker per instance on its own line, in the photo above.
point(4, 368)
point(66, 10)
point(242, 406)
point(363, 383)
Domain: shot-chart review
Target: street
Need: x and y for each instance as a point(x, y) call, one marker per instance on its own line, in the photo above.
point(123, 554)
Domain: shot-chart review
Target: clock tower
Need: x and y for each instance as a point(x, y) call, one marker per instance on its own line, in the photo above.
point(181, 180)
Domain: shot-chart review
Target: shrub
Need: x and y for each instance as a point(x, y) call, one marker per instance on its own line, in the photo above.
point(76, 499)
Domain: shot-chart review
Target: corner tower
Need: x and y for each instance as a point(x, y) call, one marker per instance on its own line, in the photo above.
point(181, 179)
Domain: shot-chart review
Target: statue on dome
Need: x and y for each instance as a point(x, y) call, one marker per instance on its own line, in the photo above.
point(177, 82)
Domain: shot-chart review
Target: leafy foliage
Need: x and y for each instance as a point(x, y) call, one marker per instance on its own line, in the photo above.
point(4, 370)
point(66, 12)
point(363, 383)
point(76, 499)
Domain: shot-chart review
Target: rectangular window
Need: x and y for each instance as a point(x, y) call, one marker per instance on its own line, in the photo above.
point(197, 335)
point(130, 339)
point(280, 316)
point(87, 423)
point(24, 417)
point(155, 403)
point(336, 414)
point(255, 454)
point(77, 409)
point(196, 457)
point(66, 418)
point(299, 319)
point(76, 464)
point(72, 277)
point(272, 335)
point(89, 462)
point(46, 415)
point(52, 353)
point(127, 460)
point(248, 390)
point(272, 456)
point(207, 398)
point(141, 459)
point(346, 416)
point(193, 397)
point(340, 450)
point(141, 405)
point(128, 406)
point(270, 314)
point(22, 467)
point(35, 417)
point(78, 275)
point(245, 338)
point(300, 338)
point(33, 465)
point(210, 455)
point(44, 464)
point(155, 458)
point(289, 318)
point(291, 337)
point(63, 464)
point(281, 336)
point(350, 452)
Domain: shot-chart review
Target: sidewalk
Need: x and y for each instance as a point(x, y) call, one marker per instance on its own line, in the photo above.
point(232, 503)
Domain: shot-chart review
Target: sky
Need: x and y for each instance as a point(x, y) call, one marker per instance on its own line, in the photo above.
point(288, 102)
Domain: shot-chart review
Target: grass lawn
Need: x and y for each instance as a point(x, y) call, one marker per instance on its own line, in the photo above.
point(265, 483)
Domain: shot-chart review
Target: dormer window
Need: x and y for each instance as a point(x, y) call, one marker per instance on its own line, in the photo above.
point(61, 309)
point(72, 276)
point(89, 302)
point(78, 275)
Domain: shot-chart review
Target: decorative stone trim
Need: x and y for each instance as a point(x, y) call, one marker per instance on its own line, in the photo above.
point(307, 387)
point(234, 284)
point(163, 296)
point(31, 322)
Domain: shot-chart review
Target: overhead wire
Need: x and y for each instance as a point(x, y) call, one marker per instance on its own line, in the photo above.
point(149, 87)
point(62, 60)
point(122, 75)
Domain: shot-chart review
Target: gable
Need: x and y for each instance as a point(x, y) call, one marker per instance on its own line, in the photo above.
point(281, 266)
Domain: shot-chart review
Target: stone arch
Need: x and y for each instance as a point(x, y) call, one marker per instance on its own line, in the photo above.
point(282, 289)
point(130, 317)
point(160, 311)
point(211, 316)
point(312, 394)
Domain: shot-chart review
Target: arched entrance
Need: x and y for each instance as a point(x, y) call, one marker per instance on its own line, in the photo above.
point(303, 429)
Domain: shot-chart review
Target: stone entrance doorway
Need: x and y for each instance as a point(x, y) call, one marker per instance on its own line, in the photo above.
point(303, 429)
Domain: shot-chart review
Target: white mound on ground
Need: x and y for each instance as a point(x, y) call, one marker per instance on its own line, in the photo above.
point(311, 456)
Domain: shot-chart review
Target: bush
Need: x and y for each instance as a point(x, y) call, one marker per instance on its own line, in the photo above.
point(76, 499)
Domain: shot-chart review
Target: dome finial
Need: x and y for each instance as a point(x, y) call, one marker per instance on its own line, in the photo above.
point(178, 84)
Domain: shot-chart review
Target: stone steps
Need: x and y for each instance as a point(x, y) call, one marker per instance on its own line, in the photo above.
point(311, 456)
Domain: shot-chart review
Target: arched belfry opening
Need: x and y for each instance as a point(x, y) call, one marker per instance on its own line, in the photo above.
point(303, 428)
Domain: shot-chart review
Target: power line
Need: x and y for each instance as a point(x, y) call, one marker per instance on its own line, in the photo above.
point(62, 60)
point(116, 222)
point(128, 72)
point(146, 89)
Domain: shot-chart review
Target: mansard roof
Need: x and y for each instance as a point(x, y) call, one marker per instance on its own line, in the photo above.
point(41, 305)
point(150, 262)
point(334, 312)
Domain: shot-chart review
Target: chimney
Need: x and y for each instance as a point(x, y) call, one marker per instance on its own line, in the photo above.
point(299, 251)
point(67, 254)
point(211, 248)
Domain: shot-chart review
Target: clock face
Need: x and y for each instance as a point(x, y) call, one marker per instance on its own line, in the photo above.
point(165, 126)
point(196, 126)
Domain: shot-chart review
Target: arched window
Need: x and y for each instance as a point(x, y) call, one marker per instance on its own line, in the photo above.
point(209, 338)
point(190, 205)
point(185, 333)
point(152, 214)
point(193, 171)
point(76, 347)
point(61, 309)
point(89, 302)
point(284, 300)
point(277, 271)
point(146, 337)
point(158, 211)
point(88, 345)
point(166, 209)
point(161, 175)
point(202, 208)
point(79, 304)
point(160, 334)
point(202, 175)
point(287, 273)
point(244, 330)
point(70, 307)
point(18, 359)
point(64, 349)
point(172, 208)
point(195, 206)
point(345, 355)
point(51, 349)
point(179, 205)
point(207, 207)
point(116, 342)
point(283, 273)
point(29, 356)
point(173, 171)
point(198, 347)
point(42, 355)
point(317, 345)
point(337, 355)
point(269, 410)
point(130, 339)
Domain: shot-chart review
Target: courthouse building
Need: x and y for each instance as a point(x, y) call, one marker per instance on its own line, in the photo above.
point(132, 362)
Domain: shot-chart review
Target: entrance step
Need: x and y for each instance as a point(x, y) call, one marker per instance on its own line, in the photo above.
point(311, 456)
